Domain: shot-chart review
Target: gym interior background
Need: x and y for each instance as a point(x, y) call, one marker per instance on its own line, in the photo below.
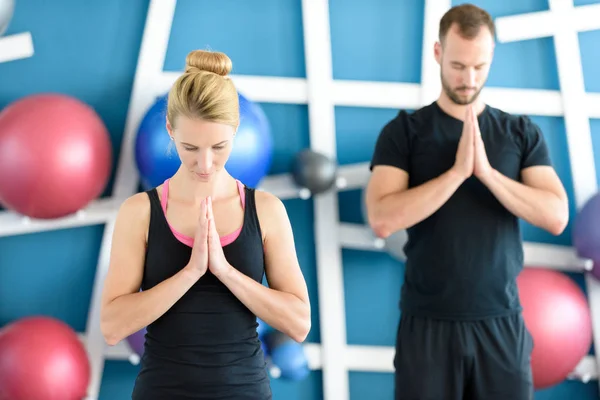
point(90, 50)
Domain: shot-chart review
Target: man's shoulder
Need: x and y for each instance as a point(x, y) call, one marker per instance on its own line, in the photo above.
point(408, 120)
point(516, 122)
point(419, 114)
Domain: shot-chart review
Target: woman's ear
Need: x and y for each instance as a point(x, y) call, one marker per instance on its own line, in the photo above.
point(169, 129)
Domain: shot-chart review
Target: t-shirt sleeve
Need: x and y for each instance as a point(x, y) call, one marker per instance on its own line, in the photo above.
point(535, 149)
point(392, 145)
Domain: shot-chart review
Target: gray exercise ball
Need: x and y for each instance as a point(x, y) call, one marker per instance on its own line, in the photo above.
point(7, 8)
point(314, 171)
point(394, 244)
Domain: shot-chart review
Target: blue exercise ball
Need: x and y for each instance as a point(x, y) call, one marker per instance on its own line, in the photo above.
point(287, 355)
point(155, 154)
point(262, 328)
point(252, 153)
point(250, 159)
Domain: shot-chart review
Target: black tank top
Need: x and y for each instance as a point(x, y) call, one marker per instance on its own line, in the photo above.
point(206, 345)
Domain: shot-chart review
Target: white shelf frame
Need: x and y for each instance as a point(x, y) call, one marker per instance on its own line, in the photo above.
point(322, 94)
point(16, 47)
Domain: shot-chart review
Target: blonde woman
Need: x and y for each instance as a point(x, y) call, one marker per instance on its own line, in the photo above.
point(198, 246)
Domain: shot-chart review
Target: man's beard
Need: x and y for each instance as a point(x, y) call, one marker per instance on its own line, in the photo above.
point(453, 95)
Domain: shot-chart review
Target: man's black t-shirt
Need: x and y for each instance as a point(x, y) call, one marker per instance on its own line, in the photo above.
point(463, 260)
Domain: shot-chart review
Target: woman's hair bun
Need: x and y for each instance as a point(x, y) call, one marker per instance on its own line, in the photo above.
point(203, 60)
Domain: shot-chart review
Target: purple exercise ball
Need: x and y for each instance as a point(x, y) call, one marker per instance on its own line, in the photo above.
point(586, 232)
point(136, 341)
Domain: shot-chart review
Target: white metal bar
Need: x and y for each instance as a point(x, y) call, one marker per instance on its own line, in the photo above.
point(548, 23)
point(16, 47)
point(585, 371)
point(540, 102)
point(381, 358)
point(536, 255)
point(525, 26)
point(359, 237)
point(391, 94)
point(317, 48)
point(356, 358)
point(592, 101)
point(150, 64)
point(98, 212)
point(563, 258)
point(570, 74)
point(375, 94)
point(370, 358)
point(268, 89)
point(102, 210)
point(430, 70)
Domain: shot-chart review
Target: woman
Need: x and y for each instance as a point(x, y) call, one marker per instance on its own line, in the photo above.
point(198, 246)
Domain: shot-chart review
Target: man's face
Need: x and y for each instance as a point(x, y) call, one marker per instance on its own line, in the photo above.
point(464, 64)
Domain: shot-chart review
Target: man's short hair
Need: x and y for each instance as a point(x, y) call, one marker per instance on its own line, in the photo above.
point(469, 19)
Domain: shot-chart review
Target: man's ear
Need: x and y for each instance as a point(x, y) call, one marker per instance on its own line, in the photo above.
point(437, 52)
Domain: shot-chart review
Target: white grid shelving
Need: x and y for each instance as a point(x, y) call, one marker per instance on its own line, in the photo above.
point(321, 93)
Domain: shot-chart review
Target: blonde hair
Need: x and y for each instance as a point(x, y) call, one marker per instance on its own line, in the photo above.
point(204, 90)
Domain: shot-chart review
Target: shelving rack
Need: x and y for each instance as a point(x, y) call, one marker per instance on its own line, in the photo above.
point(322, 93)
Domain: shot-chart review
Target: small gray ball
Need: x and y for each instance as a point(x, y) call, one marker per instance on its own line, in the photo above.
point(7, 8)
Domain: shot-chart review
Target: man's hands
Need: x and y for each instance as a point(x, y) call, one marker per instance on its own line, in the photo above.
point(471, 158)
point(465, 154)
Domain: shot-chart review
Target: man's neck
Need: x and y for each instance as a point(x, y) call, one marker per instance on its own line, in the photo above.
point(458, 111)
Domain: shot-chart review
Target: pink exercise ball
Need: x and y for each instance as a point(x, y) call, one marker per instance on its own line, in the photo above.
point(42, 358)
point(557, 315)
point(55, 156)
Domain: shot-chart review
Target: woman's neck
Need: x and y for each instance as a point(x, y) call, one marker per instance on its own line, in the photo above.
point(193, 191)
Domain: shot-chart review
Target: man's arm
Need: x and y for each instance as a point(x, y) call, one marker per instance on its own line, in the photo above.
point(391, 206)
point(540, 199)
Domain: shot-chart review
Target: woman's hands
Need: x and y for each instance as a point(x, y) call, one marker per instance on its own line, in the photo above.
point(199, 259)
point(217, 263)
point(207, 252)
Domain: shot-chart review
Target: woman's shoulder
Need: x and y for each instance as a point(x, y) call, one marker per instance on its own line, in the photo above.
point(135, 209)
point(271, 211)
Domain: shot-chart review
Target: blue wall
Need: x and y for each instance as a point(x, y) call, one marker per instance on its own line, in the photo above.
point(89, 50)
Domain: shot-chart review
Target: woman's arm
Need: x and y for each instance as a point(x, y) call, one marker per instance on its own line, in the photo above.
point(125, 310)
point(284, 305)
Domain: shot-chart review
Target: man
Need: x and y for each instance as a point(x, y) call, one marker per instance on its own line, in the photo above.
point(457, 174)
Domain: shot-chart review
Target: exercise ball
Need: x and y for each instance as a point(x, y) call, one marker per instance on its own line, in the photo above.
point(262, 331)
point(262, 328)
point(394, 243)
point(252, 153)
point(250, 159)
point(287, 356)
point(155, 154)
point(42, 358)
point(55, 156)
point(586, 231)
point(137, 341)
point(557, 315)
point(314, 171)
point(7, 8)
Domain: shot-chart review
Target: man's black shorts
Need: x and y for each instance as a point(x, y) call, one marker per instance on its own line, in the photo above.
point(458, 360)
